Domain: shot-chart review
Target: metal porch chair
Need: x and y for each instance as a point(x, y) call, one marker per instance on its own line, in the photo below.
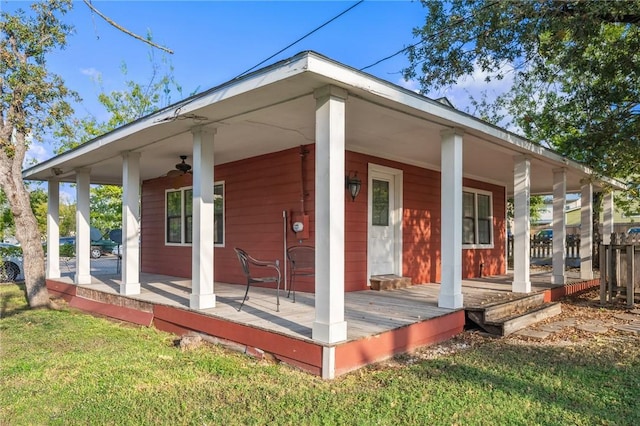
point(302, 263)
point(247, 262)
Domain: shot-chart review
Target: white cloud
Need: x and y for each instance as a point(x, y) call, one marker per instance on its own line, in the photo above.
point(412, 85)
point(91, 72)
point(36, 153)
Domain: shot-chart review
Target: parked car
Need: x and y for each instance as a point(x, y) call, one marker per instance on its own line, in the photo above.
point(635, 230)
point(544, 234)
point(68, 240)
point(99, 243)
point(547, 235)
point(11, 266)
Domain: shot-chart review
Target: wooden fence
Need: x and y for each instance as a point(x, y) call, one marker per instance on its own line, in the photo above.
point(543, 248)
point(620, 269)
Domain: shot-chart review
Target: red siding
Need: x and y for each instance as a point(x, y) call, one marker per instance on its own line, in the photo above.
point(357, 353)
point(258, 190)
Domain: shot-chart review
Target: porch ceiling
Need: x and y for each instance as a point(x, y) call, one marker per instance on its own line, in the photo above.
point(275, 110)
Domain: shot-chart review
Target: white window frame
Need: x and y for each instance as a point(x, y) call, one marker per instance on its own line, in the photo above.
point(182, 191)
point(475, 193)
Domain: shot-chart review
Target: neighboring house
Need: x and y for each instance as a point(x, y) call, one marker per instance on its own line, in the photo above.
point(275, 147)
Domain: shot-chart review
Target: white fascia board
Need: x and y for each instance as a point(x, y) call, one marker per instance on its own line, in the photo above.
point(88, 147)
point(261, 78)
point(443, 115)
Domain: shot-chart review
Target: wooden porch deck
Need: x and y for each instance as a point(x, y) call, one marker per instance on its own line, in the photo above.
point(367, 312)
point(380, 324)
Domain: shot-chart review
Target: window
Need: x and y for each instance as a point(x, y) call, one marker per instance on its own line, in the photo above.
point(179, 214)
point(380, 203)
point(174, 217)
point(477, 218)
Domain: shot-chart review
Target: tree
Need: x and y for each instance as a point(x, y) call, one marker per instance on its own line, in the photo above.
point(33, 101)
point(575, 66)
point(122, 107)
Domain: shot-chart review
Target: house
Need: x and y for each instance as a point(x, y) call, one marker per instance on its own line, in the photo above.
point(274, 148)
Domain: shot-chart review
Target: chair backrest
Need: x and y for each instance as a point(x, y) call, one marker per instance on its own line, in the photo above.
point(243, 257)
point(302, 257)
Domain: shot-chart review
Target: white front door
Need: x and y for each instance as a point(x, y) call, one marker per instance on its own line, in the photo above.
point(384, 221)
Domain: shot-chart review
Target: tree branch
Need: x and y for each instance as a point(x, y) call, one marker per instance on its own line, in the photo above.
point(124, 30)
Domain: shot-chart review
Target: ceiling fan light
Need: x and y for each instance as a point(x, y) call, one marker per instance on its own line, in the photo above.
point(182, 166)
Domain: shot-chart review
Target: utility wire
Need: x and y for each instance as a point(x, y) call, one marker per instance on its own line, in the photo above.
point(430, 36)
point(300, 39)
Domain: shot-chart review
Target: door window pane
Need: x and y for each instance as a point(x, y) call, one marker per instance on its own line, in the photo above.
point(380, 203)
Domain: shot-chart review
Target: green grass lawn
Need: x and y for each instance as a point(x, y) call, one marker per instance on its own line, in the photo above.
point(66, 367)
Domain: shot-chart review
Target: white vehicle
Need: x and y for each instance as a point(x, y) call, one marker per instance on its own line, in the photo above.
point(10, 262)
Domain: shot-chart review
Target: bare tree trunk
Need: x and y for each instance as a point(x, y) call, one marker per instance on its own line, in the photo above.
point(27, 231)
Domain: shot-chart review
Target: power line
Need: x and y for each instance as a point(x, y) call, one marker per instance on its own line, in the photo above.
point(430, 36)
point(300, 39)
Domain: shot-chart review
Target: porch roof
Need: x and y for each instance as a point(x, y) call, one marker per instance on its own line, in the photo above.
point(274, 109)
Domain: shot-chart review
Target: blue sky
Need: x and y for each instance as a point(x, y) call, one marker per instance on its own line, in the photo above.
point(214, 41)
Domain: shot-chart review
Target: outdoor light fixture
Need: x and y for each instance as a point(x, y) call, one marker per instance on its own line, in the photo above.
point(353, 184)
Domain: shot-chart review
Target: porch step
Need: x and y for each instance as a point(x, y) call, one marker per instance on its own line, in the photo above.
point(506, 317)
point(518, 322)
point(389, 282)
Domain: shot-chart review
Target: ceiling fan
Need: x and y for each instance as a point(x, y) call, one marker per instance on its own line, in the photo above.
point(182, 168)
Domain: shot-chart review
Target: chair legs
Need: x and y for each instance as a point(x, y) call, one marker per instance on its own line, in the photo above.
point(246, 293)
point(292, 288)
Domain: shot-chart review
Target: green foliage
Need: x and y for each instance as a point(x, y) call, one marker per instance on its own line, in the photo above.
point(536, 205)
point(106, 207)
point(33, 99)
point(67, 250)
point(38, 199)
point(67, 219)
point(575, 66)
point(117, 367)
point(122, 107)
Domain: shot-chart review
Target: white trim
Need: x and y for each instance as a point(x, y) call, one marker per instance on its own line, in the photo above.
point(53, 229)
point(422, 164)
point(396, 215)
point(182, 189)
point(521, 225)
point(491, 217)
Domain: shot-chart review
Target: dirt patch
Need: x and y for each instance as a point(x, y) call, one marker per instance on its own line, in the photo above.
point(577, 311)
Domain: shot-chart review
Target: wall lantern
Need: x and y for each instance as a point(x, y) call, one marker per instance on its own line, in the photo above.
point(353, 184)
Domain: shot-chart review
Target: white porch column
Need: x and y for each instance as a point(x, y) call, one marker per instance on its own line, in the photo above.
point(329, 325)
point(130, 223)
point(202, 273)
point(83, 237)
point(53, 229)
point(521, 222)
point(607, 222)
point(451, 219)
point(586, 231)
point(559, 229)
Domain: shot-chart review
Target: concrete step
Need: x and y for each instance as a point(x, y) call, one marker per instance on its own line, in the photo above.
point(507, 325)
point(389, 282)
